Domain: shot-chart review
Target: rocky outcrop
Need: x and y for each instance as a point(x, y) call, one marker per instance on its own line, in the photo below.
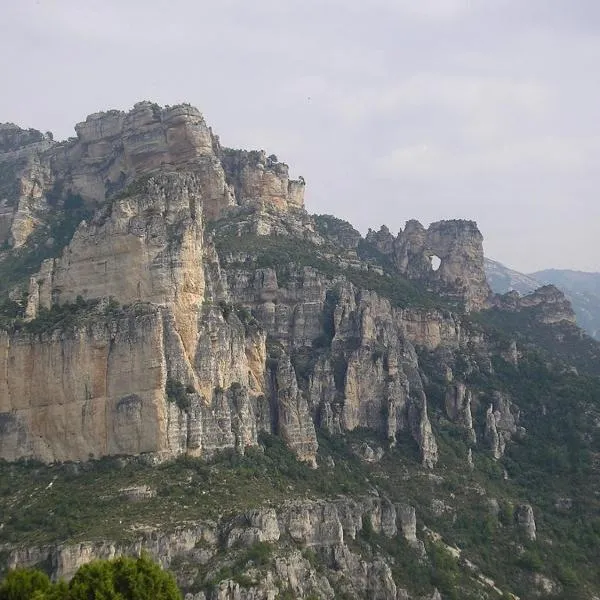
point(114, 149)
point(548, 305)
point(24, 177)
point(526, 521)
point(293, 419)
point(145, 251)
point(501, 424)
point(458, 245)
point(261, 180)
point(101, 389)
point(363, 371)
point(143, 248)
point(323, 529)
point(458, 403)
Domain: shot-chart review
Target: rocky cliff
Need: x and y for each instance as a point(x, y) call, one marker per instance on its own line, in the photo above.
point(113, 149)
point(301, 529)
point(340, 357)
point(168, 301)
point(448, 255)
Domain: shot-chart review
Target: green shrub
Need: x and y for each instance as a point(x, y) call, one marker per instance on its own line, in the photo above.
point(178, 393)
point(118, 579)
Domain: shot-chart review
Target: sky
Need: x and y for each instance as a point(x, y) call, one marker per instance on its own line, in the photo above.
point(390, 109)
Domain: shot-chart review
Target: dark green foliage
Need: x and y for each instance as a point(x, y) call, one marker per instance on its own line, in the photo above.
point(25, 584)
point(119, 579)
point(179, 394)
point(123, 578)
point(64, 316)
point(446, 574)
point(58, 227)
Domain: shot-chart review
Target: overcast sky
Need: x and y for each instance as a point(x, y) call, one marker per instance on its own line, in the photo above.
point(390, 109)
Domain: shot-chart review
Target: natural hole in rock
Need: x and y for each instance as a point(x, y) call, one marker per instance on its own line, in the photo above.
point(436, 261)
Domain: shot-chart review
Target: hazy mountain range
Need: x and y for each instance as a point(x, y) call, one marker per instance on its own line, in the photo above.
point(581, 288)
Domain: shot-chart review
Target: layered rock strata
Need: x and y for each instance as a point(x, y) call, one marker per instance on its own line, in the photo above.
point(114, 149)
point(325, 527)
point(244, 350)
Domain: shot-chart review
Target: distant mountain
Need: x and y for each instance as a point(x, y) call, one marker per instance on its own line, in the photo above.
point(502, 279)
point(582, 289)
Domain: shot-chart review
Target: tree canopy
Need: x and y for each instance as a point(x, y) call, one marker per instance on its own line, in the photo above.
point(119, 579)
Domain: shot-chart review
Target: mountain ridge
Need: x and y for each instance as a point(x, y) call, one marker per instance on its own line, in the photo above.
point(269, 403)
point(581, 288)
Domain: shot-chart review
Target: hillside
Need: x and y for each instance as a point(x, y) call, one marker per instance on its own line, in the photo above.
point(268, 403)
point(582, 289)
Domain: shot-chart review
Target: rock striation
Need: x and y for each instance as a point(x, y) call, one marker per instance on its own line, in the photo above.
point(213, 345)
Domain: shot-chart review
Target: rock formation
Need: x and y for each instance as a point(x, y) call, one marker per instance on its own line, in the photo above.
point(547, 304)
point(211, 347)
point(171, 298)
point(114, 149)
point(326, 527)
point(458, 245)
point(525, 519)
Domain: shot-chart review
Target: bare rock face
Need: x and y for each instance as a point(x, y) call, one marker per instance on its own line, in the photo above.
point(502, 418)
point(114, 149)
point(457, 245)
point(458, 408)
point(294, 422)
point(525, 519)
point(258, 179)
point(147, 248)
point(326, 527)
point(547, 304)
point(69, 399)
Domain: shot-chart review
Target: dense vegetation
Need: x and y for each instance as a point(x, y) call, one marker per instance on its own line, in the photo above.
point(119, 579)
point(563, 341)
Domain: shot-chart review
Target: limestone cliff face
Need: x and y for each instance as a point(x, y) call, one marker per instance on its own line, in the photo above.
point(367, 373)
point(101, 389)
point(326, 527)
point(146, 247)
point(457, 244)
point(247, 348)
point(260, 180)
point(86, 394)
point(113, 149)
point(145, 251)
